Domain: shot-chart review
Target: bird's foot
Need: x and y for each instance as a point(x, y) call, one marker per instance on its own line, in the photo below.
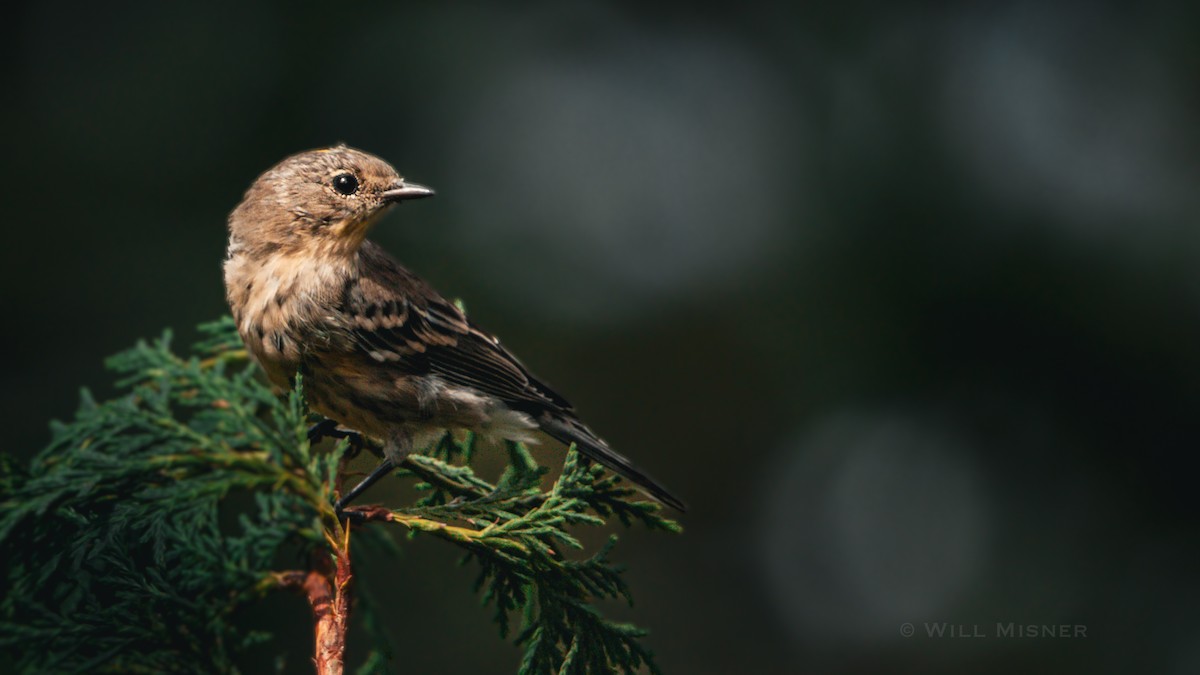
point(320, 430)
point(353, 516)
point(330, 429)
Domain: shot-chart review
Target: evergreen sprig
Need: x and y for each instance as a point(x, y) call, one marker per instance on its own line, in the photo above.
point(133, 541)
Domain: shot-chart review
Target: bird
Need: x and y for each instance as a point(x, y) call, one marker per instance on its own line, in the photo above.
point(380, 351)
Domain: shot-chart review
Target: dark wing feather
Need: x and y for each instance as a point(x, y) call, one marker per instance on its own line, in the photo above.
point(396, 317)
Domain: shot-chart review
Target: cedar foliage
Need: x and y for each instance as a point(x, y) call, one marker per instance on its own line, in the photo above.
point(138, 537)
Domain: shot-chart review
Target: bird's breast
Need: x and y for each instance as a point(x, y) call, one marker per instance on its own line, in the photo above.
point(281, 309)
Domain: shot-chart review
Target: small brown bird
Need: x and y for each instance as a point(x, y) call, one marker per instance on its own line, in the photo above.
point(380, 350)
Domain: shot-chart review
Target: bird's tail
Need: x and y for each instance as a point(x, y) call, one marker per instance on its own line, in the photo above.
point(570, 431)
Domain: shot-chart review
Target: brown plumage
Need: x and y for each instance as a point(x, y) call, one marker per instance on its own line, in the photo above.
point(380, 350)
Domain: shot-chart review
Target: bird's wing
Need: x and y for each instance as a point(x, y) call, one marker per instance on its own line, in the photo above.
point(395, 317)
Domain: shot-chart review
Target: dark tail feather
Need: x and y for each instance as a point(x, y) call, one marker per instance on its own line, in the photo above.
point(572, 431)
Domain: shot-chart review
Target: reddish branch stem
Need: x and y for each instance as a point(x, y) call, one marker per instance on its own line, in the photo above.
point(327, 587)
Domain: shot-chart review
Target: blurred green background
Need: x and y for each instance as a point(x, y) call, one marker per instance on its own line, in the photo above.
point(902, 298)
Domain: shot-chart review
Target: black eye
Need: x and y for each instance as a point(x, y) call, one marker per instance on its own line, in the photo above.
point(345, 183)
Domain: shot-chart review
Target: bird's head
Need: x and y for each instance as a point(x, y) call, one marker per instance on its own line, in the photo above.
point(323, 200)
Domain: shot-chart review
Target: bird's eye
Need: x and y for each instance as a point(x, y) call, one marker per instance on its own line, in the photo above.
point(345, 183)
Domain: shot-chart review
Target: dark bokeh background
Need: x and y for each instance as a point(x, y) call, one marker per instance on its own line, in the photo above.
point(903, 299)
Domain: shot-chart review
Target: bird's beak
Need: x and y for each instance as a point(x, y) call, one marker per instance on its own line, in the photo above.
point(405, 191)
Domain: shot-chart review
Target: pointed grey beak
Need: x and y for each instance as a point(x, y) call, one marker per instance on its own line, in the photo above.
point(405, 191)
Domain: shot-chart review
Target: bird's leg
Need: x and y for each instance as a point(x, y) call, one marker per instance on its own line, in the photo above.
point(399, 444)
point(385, 467)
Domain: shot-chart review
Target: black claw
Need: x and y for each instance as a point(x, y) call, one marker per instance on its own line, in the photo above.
point(329, 429)
point(320, 430)
point(356, 442)
point(354, 517)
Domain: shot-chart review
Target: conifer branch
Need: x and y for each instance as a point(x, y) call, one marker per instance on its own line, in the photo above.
point(122, 555)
